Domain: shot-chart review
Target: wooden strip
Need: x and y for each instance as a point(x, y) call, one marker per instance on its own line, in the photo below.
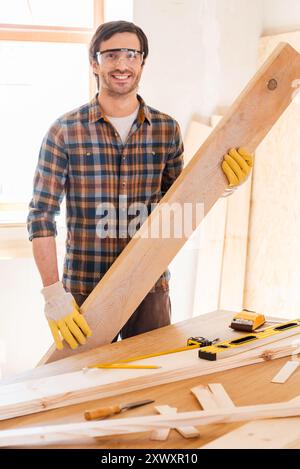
point(212, 396)
point(221, 397)
point(162, 434)
point(204, 397)
point(144, 259)
point(58, 391)
point(286, 371)
point(35, 435)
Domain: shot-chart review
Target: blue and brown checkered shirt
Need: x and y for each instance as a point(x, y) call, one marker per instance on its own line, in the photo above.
point(83, 157)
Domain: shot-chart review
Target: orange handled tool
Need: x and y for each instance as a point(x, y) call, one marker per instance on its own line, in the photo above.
point(103, 412)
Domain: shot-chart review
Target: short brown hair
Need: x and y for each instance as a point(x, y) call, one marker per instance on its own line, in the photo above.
point(106, 30)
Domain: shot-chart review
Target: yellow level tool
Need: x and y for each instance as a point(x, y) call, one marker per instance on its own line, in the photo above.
point(227, 348)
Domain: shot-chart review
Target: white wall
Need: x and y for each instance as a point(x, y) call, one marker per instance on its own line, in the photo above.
point(201, 52)
point(24, 331)
point(280, 16)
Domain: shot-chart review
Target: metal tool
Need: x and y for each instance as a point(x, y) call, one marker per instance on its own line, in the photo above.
point(103, 412)
point(201, 341)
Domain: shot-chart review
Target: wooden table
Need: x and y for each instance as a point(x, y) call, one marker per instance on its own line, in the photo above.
point(246, 385)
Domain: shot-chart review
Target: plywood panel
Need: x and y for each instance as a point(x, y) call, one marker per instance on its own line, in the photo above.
point(273, 265)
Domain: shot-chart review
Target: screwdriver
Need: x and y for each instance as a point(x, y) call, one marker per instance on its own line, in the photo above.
point(103, 412)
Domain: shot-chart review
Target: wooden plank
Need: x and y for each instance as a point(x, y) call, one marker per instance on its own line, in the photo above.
point(286, 371)
point(205, 397)
point(221, 397)
point(273, 286)
point(256, 387)
point(158, 340)
point(59, 391)
point(144, 259)
point(44, 434)
point(260, 435)
point(162, 434)
point(212, 396)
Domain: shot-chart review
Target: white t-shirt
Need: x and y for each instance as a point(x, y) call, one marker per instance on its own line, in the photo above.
point(124, 124)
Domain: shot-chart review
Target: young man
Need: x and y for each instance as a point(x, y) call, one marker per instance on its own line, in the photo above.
point(112, 152)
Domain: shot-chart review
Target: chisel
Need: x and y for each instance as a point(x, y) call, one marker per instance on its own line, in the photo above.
point(103, 412)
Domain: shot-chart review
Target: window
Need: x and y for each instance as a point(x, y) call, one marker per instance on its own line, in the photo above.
point(45, 72)
point(69, 13)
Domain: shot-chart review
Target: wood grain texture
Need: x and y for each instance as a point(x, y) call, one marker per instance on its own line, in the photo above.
point(211, 325)
point(285, 372)
point(261, 434)
point(162, 434)
point(146, 423)
point(39, 395)
point(212, 396)
point(274, 219)
point(143, 260)
point(255, 387)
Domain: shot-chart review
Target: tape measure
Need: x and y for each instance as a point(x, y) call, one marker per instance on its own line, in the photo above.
point(226, 348)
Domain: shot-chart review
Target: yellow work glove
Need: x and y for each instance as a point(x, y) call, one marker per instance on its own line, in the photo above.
point(64, 318)
point(236, 166)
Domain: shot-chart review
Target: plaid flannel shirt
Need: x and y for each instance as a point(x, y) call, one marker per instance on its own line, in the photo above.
point(83, 157)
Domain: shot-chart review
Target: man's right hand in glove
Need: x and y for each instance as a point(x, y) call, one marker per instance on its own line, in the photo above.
point(64, 318)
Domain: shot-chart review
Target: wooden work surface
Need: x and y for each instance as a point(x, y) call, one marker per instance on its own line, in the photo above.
point(246, 385)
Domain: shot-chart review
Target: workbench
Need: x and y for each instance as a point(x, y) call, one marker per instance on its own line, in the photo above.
point(246, 385)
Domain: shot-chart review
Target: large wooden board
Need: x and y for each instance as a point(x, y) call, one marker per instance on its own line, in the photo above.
point(255, 388)
point(39, 395)
point(143, 260)
point(48, 434)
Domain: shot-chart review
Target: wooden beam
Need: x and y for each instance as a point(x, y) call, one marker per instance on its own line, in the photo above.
point(39, 395)
point(52, 433)
point(144, 259)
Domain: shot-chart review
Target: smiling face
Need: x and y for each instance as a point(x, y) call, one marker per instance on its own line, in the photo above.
point(121, 78)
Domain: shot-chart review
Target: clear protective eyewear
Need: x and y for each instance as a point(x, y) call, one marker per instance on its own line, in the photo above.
point(113, 56)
